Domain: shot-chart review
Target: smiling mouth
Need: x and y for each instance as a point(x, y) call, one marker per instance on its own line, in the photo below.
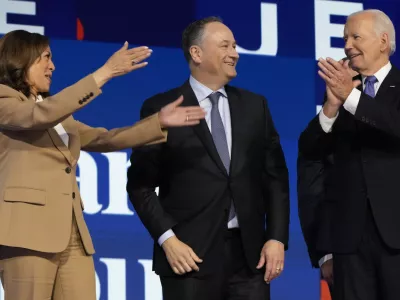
point(353, 56)
point(231, 64)
point(48, 77)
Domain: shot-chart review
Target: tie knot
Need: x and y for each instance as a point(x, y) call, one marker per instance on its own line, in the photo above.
point(214, 97)
point(371, 79)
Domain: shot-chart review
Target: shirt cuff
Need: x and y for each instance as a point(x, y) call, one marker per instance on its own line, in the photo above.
point(325, 259)
point(165, 236)
point(326, 123)
point(352, 101)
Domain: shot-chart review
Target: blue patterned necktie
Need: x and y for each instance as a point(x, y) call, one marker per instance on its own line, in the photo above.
point(369, 86)
point(219, 137)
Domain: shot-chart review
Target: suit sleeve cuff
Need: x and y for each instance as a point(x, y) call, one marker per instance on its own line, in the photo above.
point(277, 241)
point(165, 236)
point(326, 123)
point(325, 259)
point(352, 101)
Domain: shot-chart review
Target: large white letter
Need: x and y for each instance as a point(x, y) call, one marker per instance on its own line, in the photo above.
point(98, 286)
point(325, 30)
point(117, 162)
point(116, 277)
point(21, 8)
point(88, 183)
point(152, 284)
point(269, 32)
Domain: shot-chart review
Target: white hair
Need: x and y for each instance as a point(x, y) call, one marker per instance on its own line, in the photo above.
point(383, 24)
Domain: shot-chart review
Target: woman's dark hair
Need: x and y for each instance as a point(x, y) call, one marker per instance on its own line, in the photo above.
point(19, 49)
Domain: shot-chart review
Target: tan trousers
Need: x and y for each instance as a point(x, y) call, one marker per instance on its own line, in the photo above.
point(32, 275)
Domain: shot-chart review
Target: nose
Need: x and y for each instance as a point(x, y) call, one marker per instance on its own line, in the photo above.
point(234, 53)
point(348, 46)
point(52, 67)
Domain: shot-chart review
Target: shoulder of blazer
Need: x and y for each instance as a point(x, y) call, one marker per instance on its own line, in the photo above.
point(8, 92)
point(249, 96)
point(242, 92)
point(394, 74)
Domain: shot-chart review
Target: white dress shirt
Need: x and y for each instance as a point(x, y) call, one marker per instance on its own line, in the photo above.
point(202, 92)
point(59, 128)
point(351, 105)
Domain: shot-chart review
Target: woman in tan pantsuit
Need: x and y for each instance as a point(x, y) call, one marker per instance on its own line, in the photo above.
point(45, 247)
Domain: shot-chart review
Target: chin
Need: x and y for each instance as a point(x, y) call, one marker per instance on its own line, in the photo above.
point(232, 74)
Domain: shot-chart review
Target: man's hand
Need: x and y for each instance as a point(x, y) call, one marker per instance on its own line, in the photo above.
point(327, 271)
point(337, 77)
point(273, 256)
point(181, 257)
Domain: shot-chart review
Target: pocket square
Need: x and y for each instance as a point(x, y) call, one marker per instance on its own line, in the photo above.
point(392, 86)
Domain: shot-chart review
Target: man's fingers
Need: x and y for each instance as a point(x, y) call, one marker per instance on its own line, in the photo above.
point(327, 71)
point(194, 256)
point(261, 262)
point(268, 271)
point(336, 65)
point(186, 267)
point(356, 83)
point(180, 269)
point(192, 265)
point(274, 269)
point(328, 81)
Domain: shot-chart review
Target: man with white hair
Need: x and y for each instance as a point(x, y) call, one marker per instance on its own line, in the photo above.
point(360, 126)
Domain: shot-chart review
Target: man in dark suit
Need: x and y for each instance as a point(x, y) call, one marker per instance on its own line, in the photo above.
point(359, 125)
point(220, 221)
point(312, 177)
point(312, 180)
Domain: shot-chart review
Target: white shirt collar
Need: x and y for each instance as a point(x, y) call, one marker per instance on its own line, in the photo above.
point(39, 98)
point(381, 74)
point(201, 91)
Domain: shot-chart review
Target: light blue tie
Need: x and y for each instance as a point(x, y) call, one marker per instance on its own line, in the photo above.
point(369, 86)
point(219, 137)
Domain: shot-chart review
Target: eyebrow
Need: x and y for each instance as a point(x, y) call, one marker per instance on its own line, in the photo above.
point(227, 41)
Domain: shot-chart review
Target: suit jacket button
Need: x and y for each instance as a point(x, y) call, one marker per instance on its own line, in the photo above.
point(91, 94)
point(68, 170)
point(73, 195)
point(80, 102)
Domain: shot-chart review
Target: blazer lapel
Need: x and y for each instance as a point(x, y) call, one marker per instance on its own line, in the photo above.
point(59, 144)
point(202, 131)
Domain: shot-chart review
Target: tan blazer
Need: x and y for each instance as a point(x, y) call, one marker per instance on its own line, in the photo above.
point(38, 184)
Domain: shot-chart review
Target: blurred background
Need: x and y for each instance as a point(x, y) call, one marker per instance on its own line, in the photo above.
point(279, 43)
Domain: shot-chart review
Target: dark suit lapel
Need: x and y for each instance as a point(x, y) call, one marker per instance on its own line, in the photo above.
point(235, 111)
point(202, 131)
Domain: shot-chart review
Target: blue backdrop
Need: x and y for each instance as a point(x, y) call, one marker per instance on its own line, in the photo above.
point(279, 43)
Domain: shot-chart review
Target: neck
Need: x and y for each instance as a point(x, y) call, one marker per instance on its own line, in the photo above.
point(211, 81)
point(371, 71)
